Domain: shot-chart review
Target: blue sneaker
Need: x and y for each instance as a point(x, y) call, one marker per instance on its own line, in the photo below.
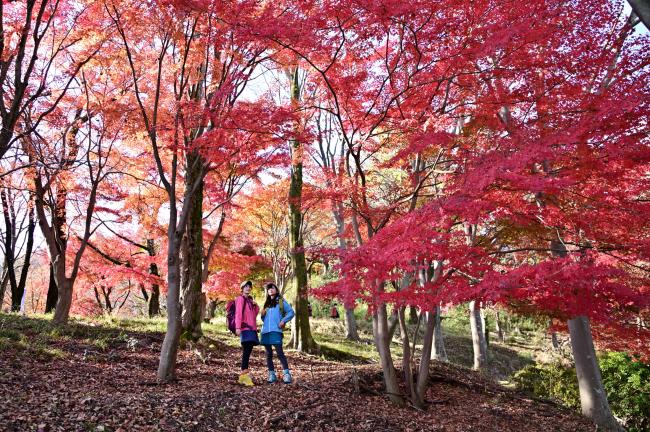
point(287, 377)
point(272, 377)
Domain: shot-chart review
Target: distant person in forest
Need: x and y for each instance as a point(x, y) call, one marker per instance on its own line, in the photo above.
point(334, 312)
point(309, 309)
point(277, 312)
point(246, 311)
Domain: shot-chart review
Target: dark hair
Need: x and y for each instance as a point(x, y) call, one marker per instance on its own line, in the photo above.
point(271, 302)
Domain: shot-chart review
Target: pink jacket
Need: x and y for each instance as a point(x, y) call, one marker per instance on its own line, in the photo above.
point(247, 320)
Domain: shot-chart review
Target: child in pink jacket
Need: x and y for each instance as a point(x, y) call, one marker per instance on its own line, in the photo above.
point(246, 311)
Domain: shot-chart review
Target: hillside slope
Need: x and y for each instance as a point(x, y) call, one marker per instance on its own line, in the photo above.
point(102, 378)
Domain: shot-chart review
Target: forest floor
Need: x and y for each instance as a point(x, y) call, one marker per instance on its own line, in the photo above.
point(100, 376)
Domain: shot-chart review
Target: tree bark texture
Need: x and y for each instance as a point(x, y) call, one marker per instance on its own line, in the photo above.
point(192, 258)
point(593, 398)
point(382, 342)
point(302, 338)
point(478, 336)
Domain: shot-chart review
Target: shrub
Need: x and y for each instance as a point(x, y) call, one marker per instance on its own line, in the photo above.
point(626, 381)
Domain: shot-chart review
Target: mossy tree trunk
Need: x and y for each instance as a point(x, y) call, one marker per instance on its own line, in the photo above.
point(302, 339)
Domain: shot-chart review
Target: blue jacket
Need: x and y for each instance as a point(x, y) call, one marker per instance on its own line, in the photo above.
point(273, 318)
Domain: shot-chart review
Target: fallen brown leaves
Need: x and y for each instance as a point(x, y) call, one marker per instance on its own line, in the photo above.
point(115, 390)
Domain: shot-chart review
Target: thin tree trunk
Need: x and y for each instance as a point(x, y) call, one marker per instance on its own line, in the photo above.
point(382, 342)
point(192, 258)
point(593, 397)
point(52, 292)
point(392, 324)
point(478, 336)
point(554, 342)
point(484, 326)
point(425, 360)
point(154, 298)
point(351, 332)
point(438, 352)
point(211, 309)
point(302, 338)
point(169, 349)
point(406, 354)
point(3, 288)
point(499, 327)
point(413, 315)
point(22, 282)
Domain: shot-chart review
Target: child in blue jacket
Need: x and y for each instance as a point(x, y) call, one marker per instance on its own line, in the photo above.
point(275, 319)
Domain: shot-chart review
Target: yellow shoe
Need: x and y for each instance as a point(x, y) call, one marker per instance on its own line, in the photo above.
point(245, 379)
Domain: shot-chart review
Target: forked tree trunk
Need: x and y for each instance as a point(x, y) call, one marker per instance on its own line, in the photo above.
point(478, 336)
point(382, 342)
point(192, 258)
point(593, 398)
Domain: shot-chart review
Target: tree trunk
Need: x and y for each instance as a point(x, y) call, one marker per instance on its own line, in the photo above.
point(593, 398)
point(3, 289)
point(192, 258)
point(486, 329)
point(499, 327)
point(210, 311)
point(392, 324)
point(22, 282)
point(554, 342)
point(413, 315)
point(154, 299)
point(52, 292)
point(302, 338)
point(478, 336)
point(382, 342)
point(169, 349)
point(406, 356)
point(62, 310)
point(642, 10)
point(438, 351)
point(425, 360)
point(351, 332)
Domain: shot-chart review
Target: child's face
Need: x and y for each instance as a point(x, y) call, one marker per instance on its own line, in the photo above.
point(247, 290)
point(272, 291)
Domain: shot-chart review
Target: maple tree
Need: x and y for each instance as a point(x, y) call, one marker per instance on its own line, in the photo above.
point(438, 153)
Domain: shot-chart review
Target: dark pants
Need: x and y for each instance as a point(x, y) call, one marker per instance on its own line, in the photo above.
point(280, 353)
point(247, 349)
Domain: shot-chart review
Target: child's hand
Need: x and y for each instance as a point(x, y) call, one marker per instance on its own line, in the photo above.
point(281, 325)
